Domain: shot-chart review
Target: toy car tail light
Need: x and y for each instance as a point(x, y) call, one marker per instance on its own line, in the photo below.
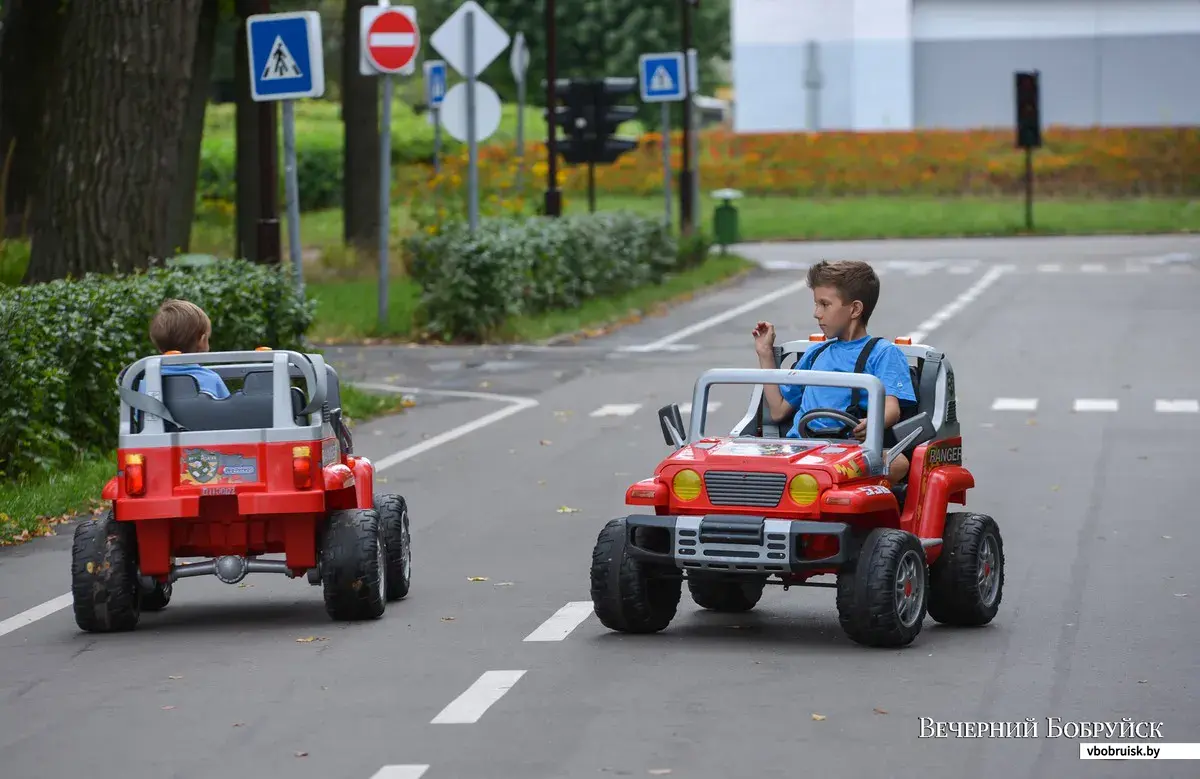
point(817, 337)
point(903, 341)
point(135, 474)
point(302, 467)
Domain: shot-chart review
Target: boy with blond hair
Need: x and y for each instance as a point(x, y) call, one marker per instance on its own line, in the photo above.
point(844, 296)
point(182, 326)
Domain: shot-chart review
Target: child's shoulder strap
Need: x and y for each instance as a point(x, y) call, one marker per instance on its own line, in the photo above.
point(860, 366)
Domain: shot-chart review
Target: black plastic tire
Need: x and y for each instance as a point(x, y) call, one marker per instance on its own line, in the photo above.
point(104, 575)
point(353, 565)
point(867, 590)
point(156, 598)
point(627, 595)
point(724, 595)
point(957, 596)
point(393, 513)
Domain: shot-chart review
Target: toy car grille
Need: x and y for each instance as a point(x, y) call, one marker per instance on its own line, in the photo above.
point(740, 488)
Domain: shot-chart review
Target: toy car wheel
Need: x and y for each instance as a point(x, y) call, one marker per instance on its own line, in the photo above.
point(715, 594)
point(393, 513)
point(967, 579)
point(627, 594)
point(104, 575)
point(156, 597)
point(354, 565)
point(882, 596)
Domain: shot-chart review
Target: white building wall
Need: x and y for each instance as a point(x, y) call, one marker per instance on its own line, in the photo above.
point(898, 64)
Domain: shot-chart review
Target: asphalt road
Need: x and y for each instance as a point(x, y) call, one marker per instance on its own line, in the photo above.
point(1077, 385)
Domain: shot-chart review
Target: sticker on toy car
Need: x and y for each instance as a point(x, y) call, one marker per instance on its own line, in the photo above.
point(746, 449)
point(201, 466)
point(943, 455)
point(854, 468)
point(874, 489)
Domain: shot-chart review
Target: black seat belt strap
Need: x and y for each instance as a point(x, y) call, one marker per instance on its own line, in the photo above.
point(859, 367)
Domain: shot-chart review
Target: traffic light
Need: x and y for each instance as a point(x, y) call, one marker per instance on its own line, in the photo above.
point(1029, 120)
point(588, 113)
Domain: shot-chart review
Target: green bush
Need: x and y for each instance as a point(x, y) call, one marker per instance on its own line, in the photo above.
point(472, 283)
point(63, 343)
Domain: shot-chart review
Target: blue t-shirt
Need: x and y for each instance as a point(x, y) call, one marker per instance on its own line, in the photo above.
point(209, 381)
point(886, 362)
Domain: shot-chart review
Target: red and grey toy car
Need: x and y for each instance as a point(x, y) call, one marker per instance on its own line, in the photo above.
point(734, 513)
point(268, 470)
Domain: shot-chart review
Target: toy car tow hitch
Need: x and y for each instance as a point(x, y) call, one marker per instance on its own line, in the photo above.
point(269, 470)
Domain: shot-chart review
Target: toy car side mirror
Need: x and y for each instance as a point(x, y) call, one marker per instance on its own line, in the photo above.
point(671, 422)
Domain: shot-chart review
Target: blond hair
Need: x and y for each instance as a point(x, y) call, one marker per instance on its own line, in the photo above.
point(178, 326)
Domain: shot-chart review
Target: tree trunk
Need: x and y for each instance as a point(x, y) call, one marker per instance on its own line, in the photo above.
point(360, 120)
point(183, 201)
point(116, 117)
point(29, 44)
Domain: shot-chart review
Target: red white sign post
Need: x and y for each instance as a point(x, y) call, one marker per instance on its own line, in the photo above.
point(392, 41)
point(389, 40)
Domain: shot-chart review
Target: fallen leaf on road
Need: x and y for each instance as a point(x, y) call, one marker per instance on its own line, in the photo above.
point(1167, 537)
point(447, 619)
point(238, 724)
point(1142, 681)
point(477, 578)
point(818, 717)
point(502, 584)
point(545, 442)
point(1181, 595)
point(174, 677)
point(301, 754)
point(568, 510)
point(1054, 488)
point(659, 771)
point(167, 708)
point(310, 639)
point(542, 482)
point(485, 384)
point(879, 711)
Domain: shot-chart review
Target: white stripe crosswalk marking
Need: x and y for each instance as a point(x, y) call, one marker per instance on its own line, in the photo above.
point(686, 408)
point(1015, 404)
point(1095, 404)
point(560, 625)
point(616, 410)
point(1093, 268)
point(1177, 406)
point(1051, 267)
point(478, 698)
point(400, 772)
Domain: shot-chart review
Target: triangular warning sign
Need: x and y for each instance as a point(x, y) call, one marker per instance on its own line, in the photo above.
point(661, 80)
point(281, 63)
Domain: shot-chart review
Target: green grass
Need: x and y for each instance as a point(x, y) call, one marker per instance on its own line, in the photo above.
point(34, 506)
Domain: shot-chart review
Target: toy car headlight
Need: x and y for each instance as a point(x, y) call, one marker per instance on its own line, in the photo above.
point(803, 489)
point(686, 485)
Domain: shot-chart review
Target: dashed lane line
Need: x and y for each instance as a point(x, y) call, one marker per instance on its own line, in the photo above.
point(565, 620)
point(478, 698)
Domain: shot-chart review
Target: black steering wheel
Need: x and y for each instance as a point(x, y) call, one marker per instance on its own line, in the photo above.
point(847, 427)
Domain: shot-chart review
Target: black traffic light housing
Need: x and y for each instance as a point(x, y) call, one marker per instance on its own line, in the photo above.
point(589, 114)
point(1029, 119)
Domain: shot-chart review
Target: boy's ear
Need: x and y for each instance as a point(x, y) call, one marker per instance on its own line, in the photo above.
point(856, 309)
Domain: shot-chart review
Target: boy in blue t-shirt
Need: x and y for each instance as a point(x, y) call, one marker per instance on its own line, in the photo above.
point(844, 294)
point(182, 326)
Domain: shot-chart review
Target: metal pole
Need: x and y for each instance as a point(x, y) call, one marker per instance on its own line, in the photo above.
point(1029, 188)
point(437, 139)
point(472, 146)
point(666, 154)
point(553, 204)
point(268, 217)
point(695, 155)
point(292, 188)
point(520, 131)
point(686, 206)
point(591, 187)
point(385, 197)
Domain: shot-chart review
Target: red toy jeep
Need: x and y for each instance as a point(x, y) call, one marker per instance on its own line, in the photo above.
point(268, 470)
point(734, 513)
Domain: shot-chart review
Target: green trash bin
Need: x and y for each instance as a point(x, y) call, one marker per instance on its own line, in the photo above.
point(725, 218)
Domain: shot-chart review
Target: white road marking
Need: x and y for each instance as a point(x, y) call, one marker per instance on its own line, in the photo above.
point(400, 772)
point(1177, 406)
point(29, 616)
point(516, 405)
point(668, 348)
point(470, 706)
point(1092, 404)
point(1137, 268)
point(616, 410)
point(560, 625)
point(961, 270)
point(1050, 267)
point(1092, 267)
point(724, 316)
point(953, 307)
point(1015, 404)
point(686, 408)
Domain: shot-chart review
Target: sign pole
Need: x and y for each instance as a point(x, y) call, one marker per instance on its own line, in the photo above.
point(693, 66)
point(437, 139)
point(666, 146)
point(520, 131)
point(385, 195)
point(472, 144)
point(292, 190)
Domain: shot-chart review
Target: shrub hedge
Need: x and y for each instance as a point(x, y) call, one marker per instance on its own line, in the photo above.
point(472, 283)
point(62, 345)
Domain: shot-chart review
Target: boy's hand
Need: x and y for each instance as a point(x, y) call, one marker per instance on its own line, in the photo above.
point(860, 430)
point(764, 339)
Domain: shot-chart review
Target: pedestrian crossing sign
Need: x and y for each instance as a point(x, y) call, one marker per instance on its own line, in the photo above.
point(286, 58)
point(661, 76)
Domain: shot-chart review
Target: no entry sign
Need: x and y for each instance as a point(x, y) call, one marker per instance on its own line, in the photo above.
point(392, 41)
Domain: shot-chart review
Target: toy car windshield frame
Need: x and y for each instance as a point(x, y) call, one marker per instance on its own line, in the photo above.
point(150, 402)
point(873, 443)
